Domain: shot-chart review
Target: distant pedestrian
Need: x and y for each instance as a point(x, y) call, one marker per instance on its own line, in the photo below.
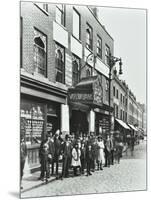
point(132, 144)
point(119, 148)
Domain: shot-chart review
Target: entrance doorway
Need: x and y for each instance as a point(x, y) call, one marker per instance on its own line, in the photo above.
point(79, 122)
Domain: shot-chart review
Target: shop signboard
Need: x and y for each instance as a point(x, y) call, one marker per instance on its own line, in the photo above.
point(87, 94)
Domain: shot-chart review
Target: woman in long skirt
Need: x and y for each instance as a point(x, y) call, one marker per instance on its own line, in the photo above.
point(100, 155)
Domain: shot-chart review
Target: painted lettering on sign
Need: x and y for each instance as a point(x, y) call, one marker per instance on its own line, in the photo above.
point(81, 96)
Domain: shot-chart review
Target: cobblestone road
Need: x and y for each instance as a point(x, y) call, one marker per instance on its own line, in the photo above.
point(129, 175)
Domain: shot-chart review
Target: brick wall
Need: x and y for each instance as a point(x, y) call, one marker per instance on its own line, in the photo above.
point(34, 17)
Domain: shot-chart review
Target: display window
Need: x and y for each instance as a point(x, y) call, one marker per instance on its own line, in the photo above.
point(33, 115)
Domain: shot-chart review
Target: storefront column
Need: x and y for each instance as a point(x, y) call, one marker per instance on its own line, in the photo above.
point(91, 121)
point(64, 119)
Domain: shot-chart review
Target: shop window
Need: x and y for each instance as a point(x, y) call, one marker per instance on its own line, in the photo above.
point(33, 114)
point(99, 47)
point(107, 54)
point(40, 53)
point(59, 64)
point(89, 37)
point(60, 14)
point(75, 70)
point(76, 24)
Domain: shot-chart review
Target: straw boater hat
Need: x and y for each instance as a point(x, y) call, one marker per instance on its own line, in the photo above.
point(57, 132)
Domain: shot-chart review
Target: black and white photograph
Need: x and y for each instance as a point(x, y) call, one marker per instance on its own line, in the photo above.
point(83, 99)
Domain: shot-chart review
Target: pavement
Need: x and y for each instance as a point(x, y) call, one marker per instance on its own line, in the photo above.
point(129, 175)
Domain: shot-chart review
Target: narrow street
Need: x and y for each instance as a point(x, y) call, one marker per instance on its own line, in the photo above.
point(129, 175)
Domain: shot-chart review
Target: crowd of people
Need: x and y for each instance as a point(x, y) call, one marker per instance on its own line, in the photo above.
point(80, 155)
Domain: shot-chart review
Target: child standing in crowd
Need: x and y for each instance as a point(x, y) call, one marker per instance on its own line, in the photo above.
point(75, 162)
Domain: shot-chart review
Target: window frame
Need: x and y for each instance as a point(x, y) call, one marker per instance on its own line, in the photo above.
point(62, 11)
point(117, 94)
point(100, 49)
point(74, 58)
point(114, 91)
point(107, 55)
point(79, 38)
point(90, 44)
point(62, 62)
point(46, 50)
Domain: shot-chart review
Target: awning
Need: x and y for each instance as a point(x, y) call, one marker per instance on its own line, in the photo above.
point(133, 127)
point(122, 123)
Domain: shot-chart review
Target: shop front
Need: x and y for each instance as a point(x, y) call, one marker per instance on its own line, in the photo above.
point(123, 129)
point(83, 100)
point(40, 108)
point(102, 122)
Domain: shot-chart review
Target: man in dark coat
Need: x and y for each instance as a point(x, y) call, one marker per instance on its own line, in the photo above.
point(51, 150)
point(112, 146)
point(43, 155)
point(57, 151)
point(83, 157)
point(107, 151)
point(66, 153)
point(89, 158)
point(23, 154)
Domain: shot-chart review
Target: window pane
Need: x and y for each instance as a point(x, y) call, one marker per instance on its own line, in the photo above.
point(59, 63)
point(58, 16)
point(60, 6)
point(76, 24)
point(75, 70)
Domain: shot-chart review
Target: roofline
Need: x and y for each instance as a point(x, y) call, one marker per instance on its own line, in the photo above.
point(99, 22)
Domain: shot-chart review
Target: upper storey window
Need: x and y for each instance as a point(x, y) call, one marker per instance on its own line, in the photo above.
point(40, 52)
point(59, 64)
point(99, 47)
point(60, 14)
point(76, 24)
point(107, 53)
point(89, 37)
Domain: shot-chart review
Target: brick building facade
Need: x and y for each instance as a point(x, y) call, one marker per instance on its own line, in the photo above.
point(64, 73)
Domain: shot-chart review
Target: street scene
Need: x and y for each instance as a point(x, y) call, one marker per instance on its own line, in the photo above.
point(82, 99)
point(129, 175)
